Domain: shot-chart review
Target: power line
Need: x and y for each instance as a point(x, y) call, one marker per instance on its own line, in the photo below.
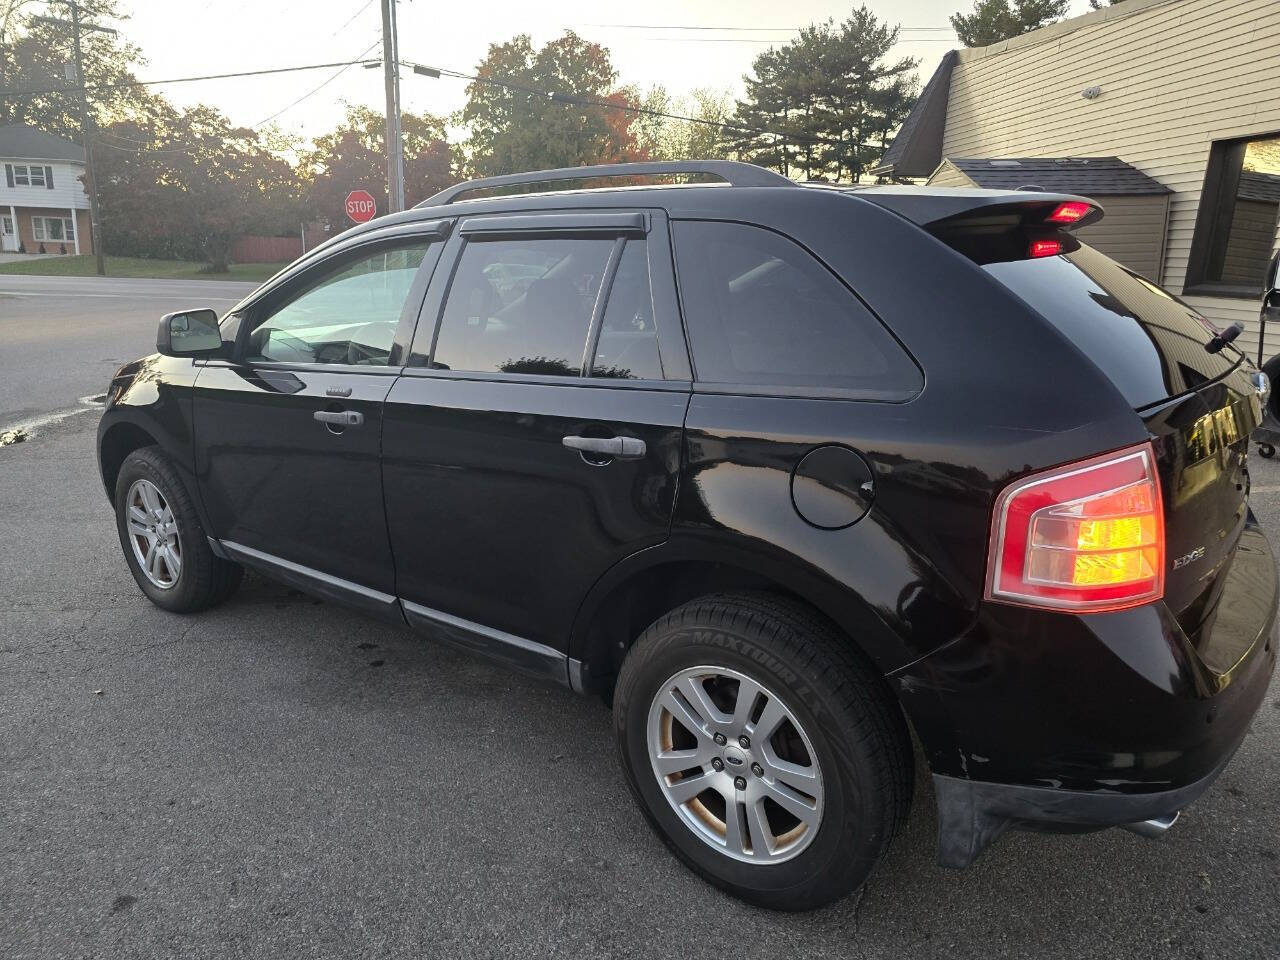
point(775, 40)
point(611, 105)
point(349, 19)
point(317, 89)
point(128, 84)
point(674, 26)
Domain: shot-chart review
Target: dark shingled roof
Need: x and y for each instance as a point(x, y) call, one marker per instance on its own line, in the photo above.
point(1259, 186)
point(21, 142)
point(1086, 176)
point(917, 149)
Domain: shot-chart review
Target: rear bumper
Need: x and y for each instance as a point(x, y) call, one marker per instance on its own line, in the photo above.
point(971, 813)
point(1073, 722)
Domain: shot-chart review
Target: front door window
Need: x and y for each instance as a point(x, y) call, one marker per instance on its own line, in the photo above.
point(348, 315)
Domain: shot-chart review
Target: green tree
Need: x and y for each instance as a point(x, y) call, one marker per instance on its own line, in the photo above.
point(34, 55)
point(701, 137)
point(1099, 4)
point(184, 184)
point(996, 20)
point(530, 109)
point(353, 156)
point(824, 104)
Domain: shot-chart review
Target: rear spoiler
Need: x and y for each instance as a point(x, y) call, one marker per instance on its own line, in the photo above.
point(934, 207)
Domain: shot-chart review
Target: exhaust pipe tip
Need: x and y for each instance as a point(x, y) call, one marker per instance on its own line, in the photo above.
point(1153, 828)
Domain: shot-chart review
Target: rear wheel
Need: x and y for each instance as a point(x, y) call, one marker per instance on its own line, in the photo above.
point(763, 750)
point(164, 544)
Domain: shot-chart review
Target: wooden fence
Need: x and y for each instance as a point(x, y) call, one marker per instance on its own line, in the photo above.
point(249, 249)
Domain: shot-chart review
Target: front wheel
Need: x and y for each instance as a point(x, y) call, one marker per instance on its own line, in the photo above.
point(1266, 451)
point(163, 541)
point(763, 749)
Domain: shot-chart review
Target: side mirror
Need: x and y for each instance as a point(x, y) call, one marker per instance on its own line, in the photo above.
point(189, 333)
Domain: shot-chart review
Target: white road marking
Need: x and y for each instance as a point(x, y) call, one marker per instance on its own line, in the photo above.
point(33, 424)
point(1265, 488)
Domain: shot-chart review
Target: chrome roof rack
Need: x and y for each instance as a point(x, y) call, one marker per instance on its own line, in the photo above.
point(732, 172)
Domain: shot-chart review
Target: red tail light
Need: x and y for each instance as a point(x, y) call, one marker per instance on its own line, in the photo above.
point(1073, 211)
point(1085, 537)
point(1045, 248)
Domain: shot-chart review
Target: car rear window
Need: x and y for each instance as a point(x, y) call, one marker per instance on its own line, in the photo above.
point(761, 311)
point(1148, 342)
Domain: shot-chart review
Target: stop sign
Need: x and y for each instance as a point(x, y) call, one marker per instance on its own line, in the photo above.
point(361, 206)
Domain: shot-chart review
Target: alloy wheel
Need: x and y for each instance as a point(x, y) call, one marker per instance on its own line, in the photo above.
point(734, 763)
point(153, 532)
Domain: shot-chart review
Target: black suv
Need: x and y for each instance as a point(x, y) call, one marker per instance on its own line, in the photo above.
point(783, 471)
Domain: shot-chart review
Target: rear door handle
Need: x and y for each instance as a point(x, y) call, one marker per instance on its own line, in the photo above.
point(340, 418)
point(622, 448)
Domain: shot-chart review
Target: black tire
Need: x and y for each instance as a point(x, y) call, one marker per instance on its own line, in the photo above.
point(859, 738)
point(1272, 369)
point(1266, 451)
point(204, 580)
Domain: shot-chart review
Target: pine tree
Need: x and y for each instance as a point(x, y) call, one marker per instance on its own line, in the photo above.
point(824, 104)
point(996, 20)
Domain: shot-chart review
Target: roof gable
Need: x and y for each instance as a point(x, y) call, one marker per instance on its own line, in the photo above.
point(917, 148)
point(21, 142)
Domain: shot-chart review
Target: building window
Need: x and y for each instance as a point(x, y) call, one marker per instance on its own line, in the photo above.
point(1236, 228)
point(20, 177)
point(36, 174)
point(54, 229)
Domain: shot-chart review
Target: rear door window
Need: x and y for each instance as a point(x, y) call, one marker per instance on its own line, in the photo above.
point(1148, 342)
point(761, 311)
point(522, 305)
point(628, 344)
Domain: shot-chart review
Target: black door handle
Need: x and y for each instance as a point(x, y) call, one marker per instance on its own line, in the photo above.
point(622, 448)
point(339, 418)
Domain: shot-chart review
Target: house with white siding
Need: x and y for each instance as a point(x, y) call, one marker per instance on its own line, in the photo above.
point(1167, 112)
point(43, 202)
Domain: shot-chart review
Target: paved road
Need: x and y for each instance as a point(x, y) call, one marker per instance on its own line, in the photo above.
point(281, 778)
point(61, 338)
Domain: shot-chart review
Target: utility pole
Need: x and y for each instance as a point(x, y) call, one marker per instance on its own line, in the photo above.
point(391, 78)
point(86, 127)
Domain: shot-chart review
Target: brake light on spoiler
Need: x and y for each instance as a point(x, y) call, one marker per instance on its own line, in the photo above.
point(1085, 537)
point(1073, 211)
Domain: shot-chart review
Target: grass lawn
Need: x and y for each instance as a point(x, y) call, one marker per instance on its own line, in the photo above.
point(84, 266)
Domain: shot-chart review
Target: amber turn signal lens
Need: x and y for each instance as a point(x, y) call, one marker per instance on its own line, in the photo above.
point(1087, 536)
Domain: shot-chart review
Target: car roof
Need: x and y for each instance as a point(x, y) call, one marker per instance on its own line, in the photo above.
point(745, 187)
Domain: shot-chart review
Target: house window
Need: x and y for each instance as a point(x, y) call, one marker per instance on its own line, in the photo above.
point(1239, 211)
point(53, 229)
point(20, 177)
point(36, 174)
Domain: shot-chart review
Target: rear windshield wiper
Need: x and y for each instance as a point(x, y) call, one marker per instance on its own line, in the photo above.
point(1223, 337)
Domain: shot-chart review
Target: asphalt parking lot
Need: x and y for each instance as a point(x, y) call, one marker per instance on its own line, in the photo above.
point(281, 778)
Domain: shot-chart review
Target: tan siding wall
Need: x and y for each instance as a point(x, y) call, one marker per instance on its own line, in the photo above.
point(1132, 231)
point(949, 175)
point(1175, 77)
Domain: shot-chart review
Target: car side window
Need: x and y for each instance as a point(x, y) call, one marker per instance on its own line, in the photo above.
point(760, 310)
point(522, 305)
point(349, 315)
point(628, 344)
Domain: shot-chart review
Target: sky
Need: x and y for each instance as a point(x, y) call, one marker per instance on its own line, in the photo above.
point(191, 37)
